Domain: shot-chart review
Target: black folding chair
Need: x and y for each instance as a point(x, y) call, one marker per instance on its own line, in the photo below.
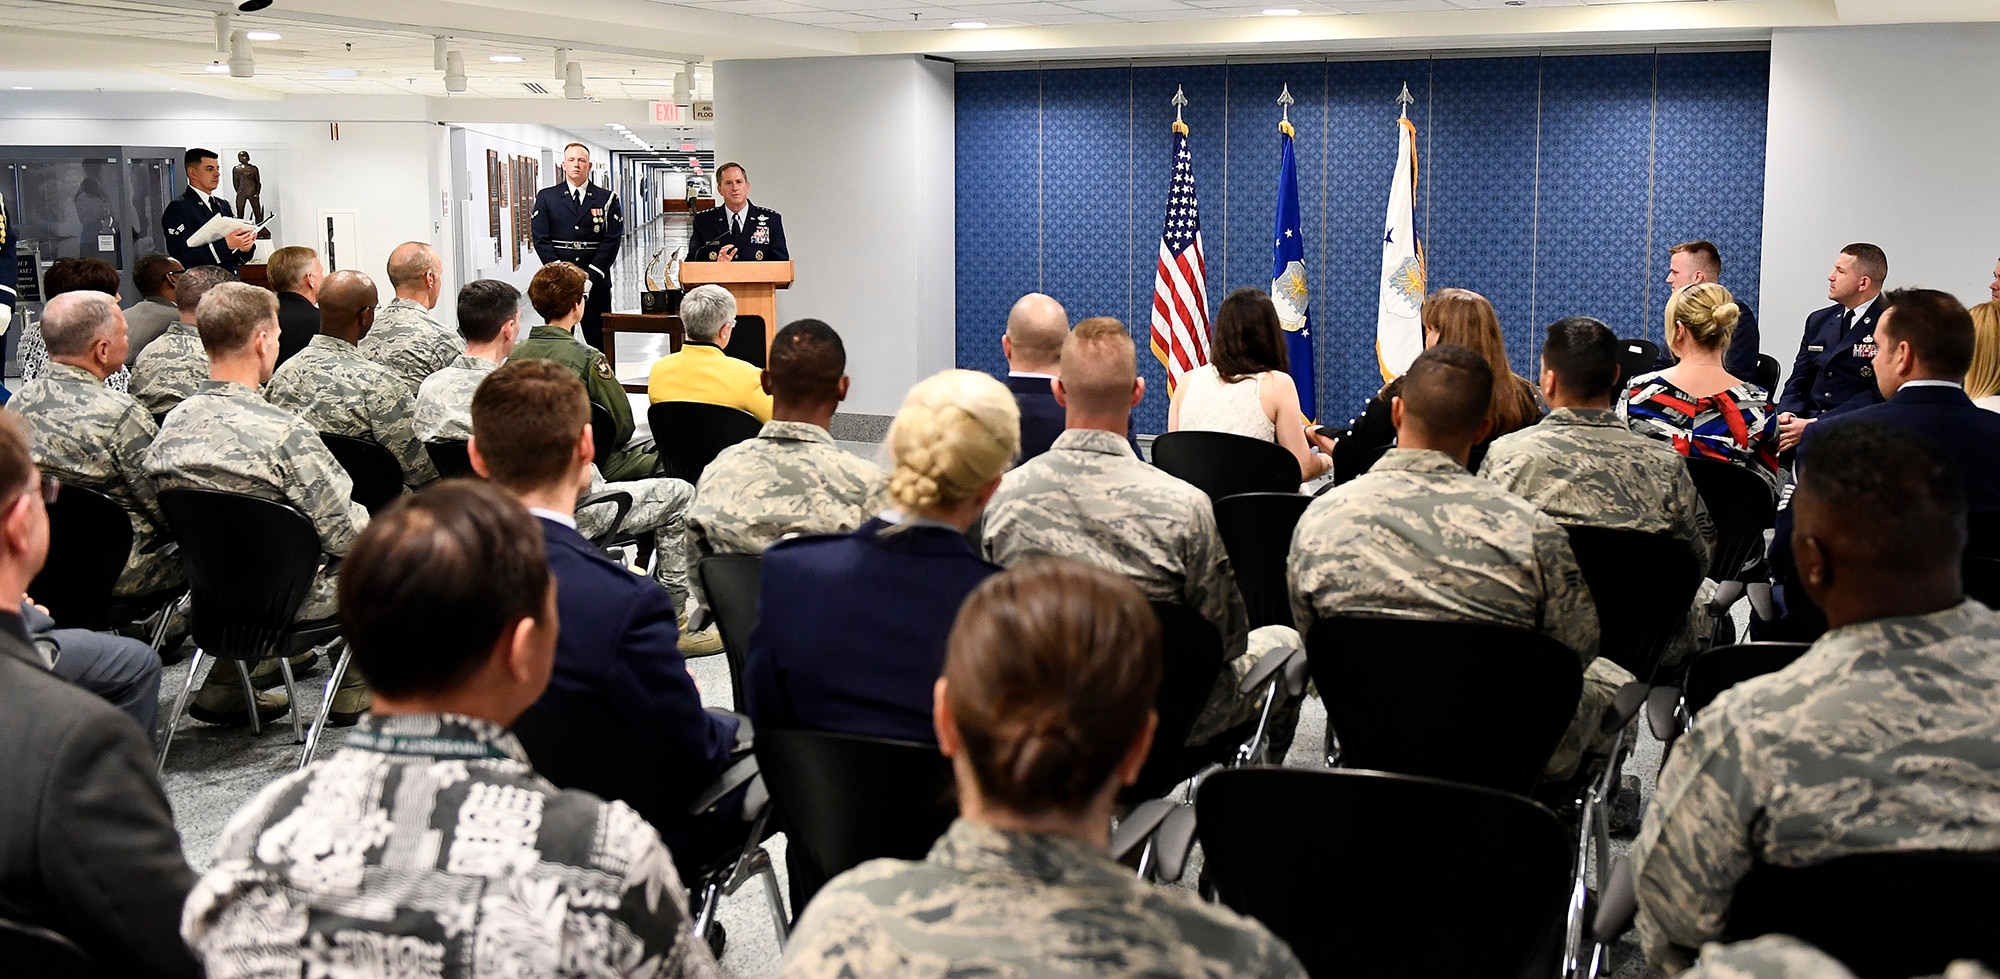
point(844, 800)
point(1766, 374)
point(450, 457)
point(1881, 914)
point(746, 340)
point(251, 564)
point(1223, 464)
point(603, 434)
point(690, 434)
point(1743, 506)
point(1637, 617)
point(1257, 530)
point(1344, 866)
point(1636, 356)
point(377, 476)
point(1401, 695)
point(1726, 666)
point(1191, 653)
point(1981, 576)
point(731, 583)
point(90, 536)
point(29, 950)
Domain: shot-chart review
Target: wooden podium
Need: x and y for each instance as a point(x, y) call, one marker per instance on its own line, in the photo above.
point(754, 284)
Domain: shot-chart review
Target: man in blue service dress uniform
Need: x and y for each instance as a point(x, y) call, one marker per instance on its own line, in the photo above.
point(737, 230)
point(1835, 369)
point(579, 222)
point(187, 213)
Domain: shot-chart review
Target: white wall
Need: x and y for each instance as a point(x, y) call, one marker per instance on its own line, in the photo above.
point(1886, 135)
point(467, 161)
point(857, 154)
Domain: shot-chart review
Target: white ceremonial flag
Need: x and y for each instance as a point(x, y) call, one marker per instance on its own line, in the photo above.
point(1399, 333)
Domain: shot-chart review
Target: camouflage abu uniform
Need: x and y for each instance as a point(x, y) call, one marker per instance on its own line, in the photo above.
point(169, 369)
point(227, 437)
point(1884, 736)
point(791, 479)
point(334, 389)
point(407, 340)
point(1418, 537)
point(988, 902)
point(659, 504)
point(1585, 467)
point(1785, 957)
point(1091, 499)
point(96, 438)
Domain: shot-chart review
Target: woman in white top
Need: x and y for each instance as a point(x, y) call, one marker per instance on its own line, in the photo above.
point(1248, 389)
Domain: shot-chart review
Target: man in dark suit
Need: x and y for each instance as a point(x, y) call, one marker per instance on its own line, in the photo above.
point(1923, 341)
point(1698, 261)
point(1835, 368)
point(737, 230)
point(187, 213)
point(577, 221)
point(296, 273)
point(1036, 329)
point(87, 844)
point(618, 654)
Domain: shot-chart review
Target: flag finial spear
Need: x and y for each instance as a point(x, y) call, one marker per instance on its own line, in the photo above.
point(1179, 100)
point(1406, 100)
point(1285, 101)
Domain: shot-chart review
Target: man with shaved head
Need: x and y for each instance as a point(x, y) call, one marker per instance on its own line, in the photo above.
point(337, 391)
point(1091, 499)
point(1419, 537)
point(405, 338)
point(1036, 329)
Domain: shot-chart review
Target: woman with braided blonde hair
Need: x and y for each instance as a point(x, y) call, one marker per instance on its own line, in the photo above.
point(852, 627)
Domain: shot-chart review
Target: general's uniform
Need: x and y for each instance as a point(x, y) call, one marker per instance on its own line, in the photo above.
point(169, 369)
point(1836, 363)
point(407, 340)
point(586, 234)
point(336, 390)
point(184, 216)
point(759, 236)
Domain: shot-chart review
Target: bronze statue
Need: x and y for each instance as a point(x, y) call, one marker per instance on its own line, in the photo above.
point(249, 188)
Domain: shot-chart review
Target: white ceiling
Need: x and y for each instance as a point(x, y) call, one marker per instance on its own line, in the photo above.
point(906, 15)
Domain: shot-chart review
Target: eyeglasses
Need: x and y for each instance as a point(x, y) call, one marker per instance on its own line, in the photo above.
point(177, 273)
point(51, 486)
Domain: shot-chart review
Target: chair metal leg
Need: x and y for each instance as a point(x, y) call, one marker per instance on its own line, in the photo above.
point(780, 921)
point(711, 892)
point(180, 707)
point(250, 694)
point(333, 679)
point(292, 691)
point(166, 616)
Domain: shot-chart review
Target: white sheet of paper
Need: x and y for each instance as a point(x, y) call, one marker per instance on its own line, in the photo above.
point(219, 227)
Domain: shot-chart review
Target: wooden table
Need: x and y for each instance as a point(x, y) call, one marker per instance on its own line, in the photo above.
point(616, 323)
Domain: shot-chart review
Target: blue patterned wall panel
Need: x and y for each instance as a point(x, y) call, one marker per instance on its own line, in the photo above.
point(998, 151)
point(1253, 167)
point(1087, 202)
point(1482, 187)
point(1596, 144)
point(1153, 92)
point(1709, 169)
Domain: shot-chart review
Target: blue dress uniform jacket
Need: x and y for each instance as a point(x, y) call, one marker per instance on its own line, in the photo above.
point(184, 216)
point(761, 240)
point(7, 258)
point(587, 235)
point(1835, 367)
point(1042, 419)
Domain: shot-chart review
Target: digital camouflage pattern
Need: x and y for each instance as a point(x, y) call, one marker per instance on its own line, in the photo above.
point(1785, 957)
point(407, 340)
point(1884, 736)
point(444, 400)
point(334, 389)
point(227, 437)
point(91, 436)
point(1418, 537)
point(169, 369)
point(987, 902)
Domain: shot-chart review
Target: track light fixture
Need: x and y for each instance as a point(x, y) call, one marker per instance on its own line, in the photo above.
point(454, 71)
point(242, 62)
point(573, 80)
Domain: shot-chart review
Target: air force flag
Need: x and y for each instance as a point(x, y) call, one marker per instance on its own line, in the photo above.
point(1289, 291)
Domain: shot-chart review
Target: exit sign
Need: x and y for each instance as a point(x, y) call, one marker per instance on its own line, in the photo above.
point(666, 112)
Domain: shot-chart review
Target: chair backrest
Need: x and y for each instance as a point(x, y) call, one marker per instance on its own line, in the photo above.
point(1880, 914)
point(1726, 666)
point(250, 564)
point(844, 800)
point(1636, 356)
point(1741, 504)
point(1766, 374)
point(574, 750)
point(1223, 464)
point(1981, 575)
point(746, 340)
point(450, 457)
point(1257, 532)
point(1344, 866)
point(1637, 618)
point(603, 434)
point(731, 583)
point(32, 951)
point(90, 536)
point(1191, 654)
point(1402, 694)
point(691, 433)
point(1363, 462)
point(377, 477)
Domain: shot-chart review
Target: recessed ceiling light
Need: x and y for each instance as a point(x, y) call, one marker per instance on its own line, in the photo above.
point(1281, 11)
point(505, 58)
point(265, 35)
point(216, 68)
point(343, 73)
point(968, 25)
point(24, 88)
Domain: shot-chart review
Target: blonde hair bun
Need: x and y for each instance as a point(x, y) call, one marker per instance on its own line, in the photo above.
point(956, 431)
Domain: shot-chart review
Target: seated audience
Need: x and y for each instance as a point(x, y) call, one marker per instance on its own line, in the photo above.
point(557, 293)
point(227, 437)
point(1883, 736)
point(1692, 262)
point(156, 309)
point(1982, 380)
point(1248, 389)
point(1036, 328)
point(336, 390)
point(1455, 316)
point(700, 371)
point(1045, 709)
point(296, 273)
point(427, 845)
point(617, 654)
point(88, 848)
point(405, 338)
point(489, 322)
point(867, 613)
point(1419, 537)
point(65, 276)
point(175, 364)
point(123, 671)
point(1090, 499)
point(1696, 406)
point(94, 437)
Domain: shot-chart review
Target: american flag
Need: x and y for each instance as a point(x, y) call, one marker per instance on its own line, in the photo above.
point(1180, 287)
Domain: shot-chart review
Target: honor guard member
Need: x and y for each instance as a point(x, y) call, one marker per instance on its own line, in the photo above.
point(579, 222)
point(1835, 369)
point(187, 213)
point(737, 230)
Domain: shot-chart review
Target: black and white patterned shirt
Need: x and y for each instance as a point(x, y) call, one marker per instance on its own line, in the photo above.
point(428, 847)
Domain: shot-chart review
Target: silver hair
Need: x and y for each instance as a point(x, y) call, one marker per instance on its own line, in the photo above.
point(73, 321)
point(705, 310)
